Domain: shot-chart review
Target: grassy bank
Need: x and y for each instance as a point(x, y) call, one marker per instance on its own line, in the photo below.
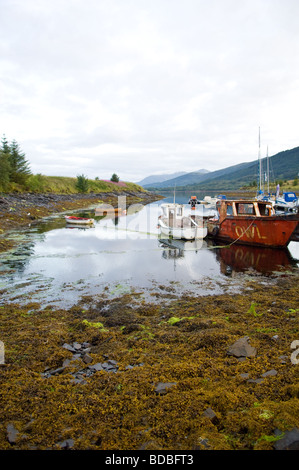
point(67, 185)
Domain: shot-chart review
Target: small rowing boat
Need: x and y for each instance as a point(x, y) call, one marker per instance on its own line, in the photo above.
point(78, 220)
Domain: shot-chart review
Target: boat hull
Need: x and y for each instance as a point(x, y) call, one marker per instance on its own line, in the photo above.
point(184, 233)
point(78, 220)
point(272, 231)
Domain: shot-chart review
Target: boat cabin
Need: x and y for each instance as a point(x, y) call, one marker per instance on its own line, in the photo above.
point(172, 212)
point(244, 208)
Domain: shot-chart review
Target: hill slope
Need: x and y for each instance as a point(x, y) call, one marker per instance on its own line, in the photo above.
point(157, 179)
point(283, 165)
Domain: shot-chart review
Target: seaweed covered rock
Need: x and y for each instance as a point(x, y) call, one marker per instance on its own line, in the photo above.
point(289, 441)
point(242, 349)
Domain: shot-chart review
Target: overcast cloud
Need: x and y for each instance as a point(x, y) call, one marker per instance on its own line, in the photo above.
point(139, 87)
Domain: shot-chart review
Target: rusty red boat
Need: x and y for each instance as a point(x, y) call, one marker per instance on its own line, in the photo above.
point(252, 223)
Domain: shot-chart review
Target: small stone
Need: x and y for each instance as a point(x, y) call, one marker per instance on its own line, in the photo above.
point(269, 373)
point(87, 359)
point(162, 387)
point(209, 413)
point(66, 363)
point(69, 347)
point(77, 346)
point(112, 362)
point(255, 381)
point(12, 433)
point(96, 367)
point(67, 444)
point(244, 376)
point(59, 370)
point(76, 356)
point(283, 359)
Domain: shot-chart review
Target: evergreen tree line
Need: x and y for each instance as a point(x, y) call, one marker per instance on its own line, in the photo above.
point(14, 168)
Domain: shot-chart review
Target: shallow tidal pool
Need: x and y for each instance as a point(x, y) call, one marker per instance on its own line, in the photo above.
point(57, 263)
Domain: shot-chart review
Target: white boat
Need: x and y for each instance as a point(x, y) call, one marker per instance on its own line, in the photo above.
point(78, 220)
point(174, 223)
point(208, 200)
point(288, 203)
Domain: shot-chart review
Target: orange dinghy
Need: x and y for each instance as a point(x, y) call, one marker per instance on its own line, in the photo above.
point(252, 223)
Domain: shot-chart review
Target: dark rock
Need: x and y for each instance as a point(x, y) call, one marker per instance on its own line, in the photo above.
point(87, 359)
point(12, 433)
point(112, 362)
point(96, 367)
point(162, 387)
point(289, 441)
point(202, 444)
point(242, 348)
point(255, 381)
point(244, 376)
point(209, 413)
point(69, 347)
point(283, 359)
point(269, 373)
point(59, 370)
point(67, 444)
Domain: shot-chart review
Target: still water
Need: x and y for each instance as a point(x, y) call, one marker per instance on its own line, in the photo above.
point(55, 263)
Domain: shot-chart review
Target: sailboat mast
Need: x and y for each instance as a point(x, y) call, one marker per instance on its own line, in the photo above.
point(260, 172)
point(268, 179)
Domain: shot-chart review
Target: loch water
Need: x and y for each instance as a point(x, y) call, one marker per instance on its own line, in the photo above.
point(55, 263)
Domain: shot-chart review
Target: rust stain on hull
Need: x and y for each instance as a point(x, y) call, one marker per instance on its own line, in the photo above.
point(261, 227)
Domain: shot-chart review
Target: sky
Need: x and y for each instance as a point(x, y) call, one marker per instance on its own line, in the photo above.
point(143, 87)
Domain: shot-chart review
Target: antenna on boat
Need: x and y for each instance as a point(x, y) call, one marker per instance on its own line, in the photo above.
point(174, 195)
point(259, 164)
point(268, 176)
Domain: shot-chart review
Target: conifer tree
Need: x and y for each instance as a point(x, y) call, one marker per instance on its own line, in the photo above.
point(19, 167)
point(5, 145)
point(4, 164)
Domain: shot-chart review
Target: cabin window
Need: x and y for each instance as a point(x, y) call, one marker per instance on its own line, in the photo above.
point(245, 209)
point(264, 209)
point(229, 210)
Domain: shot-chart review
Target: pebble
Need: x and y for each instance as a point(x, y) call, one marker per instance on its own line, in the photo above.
point(81, 353)
point(162, 387)
point(209, 413)
point(12, 433)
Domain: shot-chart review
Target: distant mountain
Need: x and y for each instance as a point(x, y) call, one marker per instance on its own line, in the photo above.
point(152, 179)
point(156, 180)
point(283, 165)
